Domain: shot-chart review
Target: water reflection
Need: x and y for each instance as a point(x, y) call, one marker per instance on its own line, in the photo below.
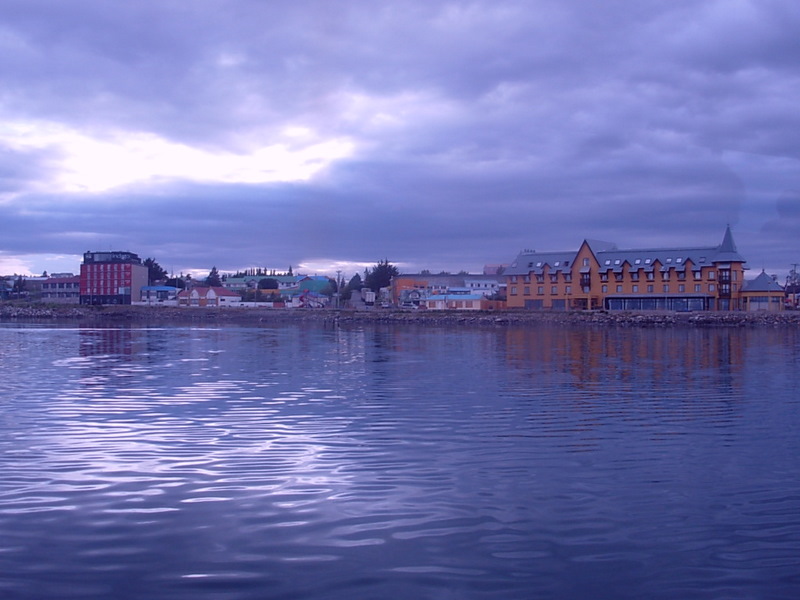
point(312, 462)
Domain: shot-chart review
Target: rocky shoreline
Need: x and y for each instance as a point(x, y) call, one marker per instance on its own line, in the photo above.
point(100, 315)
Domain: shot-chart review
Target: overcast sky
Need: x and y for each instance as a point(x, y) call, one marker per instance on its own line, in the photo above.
point(441, 135)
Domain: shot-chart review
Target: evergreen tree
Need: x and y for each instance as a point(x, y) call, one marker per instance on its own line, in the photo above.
point(213, 279)
point(380, 275)
point(154, 270)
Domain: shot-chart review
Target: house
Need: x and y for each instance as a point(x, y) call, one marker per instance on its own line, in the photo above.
point(427, 284)
point(208, 296)
point(113, 277)
point(763, 294)
point(455, 301)
point(159, 295)
point(600, 275)
point(62, 288)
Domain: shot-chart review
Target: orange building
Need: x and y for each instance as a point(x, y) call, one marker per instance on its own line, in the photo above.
point(600, 275)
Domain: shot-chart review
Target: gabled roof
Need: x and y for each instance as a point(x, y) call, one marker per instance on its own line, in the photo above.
point(612, 258)
point(762, 283)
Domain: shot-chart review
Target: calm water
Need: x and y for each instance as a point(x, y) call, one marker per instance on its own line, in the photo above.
point(311, 462)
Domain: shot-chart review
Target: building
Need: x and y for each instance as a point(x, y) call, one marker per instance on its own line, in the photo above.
point(159, 295)
point(62, 288)
point(763, 294)
point(208, 296)
point(112, 277)
point(599, 275)
point(407, 288)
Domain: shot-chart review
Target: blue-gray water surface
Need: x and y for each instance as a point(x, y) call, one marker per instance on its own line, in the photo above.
point(304, 462)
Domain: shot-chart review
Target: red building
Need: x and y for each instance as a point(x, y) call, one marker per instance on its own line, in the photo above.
point(111, 277)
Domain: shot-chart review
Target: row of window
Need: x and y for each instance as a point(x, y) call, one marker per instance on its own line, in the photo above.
point(650, 289)
point(665, 276)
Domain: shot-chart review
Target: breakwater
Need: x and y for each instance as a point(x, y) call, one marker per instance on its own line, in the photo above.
point(152, 315)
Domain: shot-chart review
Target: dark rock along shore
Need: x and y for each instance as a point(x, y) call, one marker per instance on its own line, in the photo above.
point(142, 314)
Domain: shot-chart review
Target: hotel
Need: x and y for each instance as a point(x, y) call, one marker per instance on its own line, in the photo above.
point(601, 276)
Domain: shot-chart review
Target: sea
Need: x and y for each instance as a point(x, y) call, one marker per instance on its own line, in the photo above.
point(316, 461)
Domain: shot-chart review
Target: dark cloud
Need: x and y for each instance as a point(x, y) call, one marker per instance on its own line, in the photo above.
point(478, 128)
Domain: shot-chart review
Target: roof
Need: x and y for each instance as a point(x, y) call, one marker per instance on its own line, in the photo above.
point(762, 283)
point(612, 258)
point(203, 291)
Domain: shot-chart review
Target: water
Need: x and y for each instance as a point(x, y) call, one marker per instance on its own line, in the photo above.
point(311, 462)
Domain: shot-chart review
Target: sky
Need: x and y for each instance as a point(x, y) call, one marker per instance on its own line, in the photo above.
point(438, 135)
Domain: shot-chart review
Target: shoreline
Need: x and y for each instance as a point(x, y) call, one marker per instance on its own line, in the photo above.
point(255, 316)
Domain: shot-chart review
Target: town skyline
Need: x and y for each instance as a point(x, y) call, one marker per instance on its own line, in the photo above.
point(439, 135)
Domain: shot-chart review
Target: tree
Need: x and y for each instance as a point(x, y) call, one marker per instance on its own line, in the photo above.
point(177, 282)
point(355, 283)
point(268, 283)
point(213, 279)
point(380, 275)
point(155, 271)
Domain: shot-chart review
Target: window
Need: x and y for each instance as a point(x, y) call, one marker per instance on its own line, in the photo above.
point(540, 290)
point(697, 275)
point(619, 289)
point(696, 287)
point(635, 276)
point(603, 276)
point(567, 276)
point(617, 261)
point(679, 260)
point(638, 261)
point(568, 289)
point(635, 289)
point(558, 263)
point(666, 288)
point(651, 276)
point(604, 289)
point(526, 290)
point(649, 289)
point(527, 279)
point(539, 264)
point(665, 276)
point(513, 279)
point(681, 288)
point(712, 274)
point(554, 290)
point(513, 290)
point(585, 262)
point(711, 287)
point(647, 261)
point(669, 261)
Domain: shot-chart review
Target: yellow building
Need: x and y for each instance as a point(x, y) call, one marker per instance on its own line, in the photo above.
point(600, 275)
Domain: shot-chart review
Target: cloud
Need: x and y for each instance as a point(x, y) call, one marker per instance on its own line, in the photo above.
point(439, 135)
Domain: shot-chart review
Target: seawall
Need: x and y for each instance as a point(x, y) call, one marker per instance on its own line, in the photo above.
point(102, 315)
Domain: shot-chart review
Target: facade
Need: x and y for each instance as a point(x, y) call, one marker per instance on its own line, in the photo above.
point(159, 295)
point(599, 275)
point(416, 285)
point(208, 296)
point(113, 277)
point(62, 289)
point(763, 294)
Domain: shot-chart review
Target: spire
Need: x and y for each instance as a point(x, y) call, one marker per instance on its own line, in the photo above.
point(726, 251)
point(728, 244)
